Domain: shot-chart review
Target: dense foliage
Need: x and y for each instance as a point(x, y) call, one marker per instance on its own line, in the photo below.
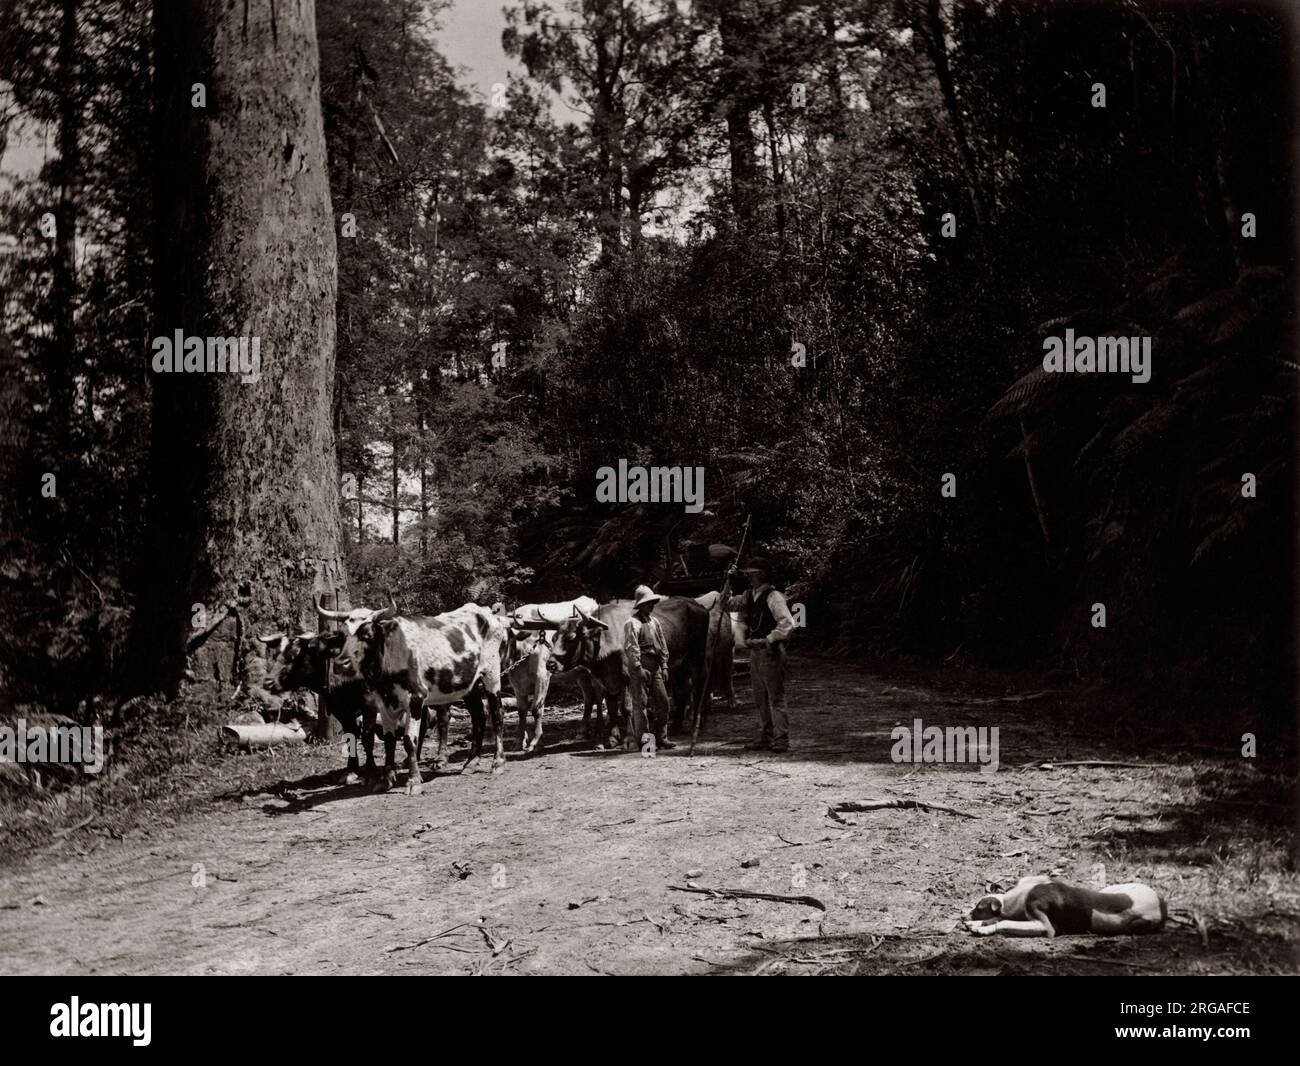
point(908, 195)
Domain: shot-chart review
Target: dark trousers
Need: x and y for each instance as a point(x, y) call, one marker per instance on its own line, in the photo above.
point(649, 699)
point(767, 677)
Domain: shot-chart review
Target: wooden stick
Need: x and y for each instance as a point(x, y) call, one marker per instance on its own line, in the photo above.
point(711, 645)
point(427, 940)
point(855, 807)
point(760, 766)
point(73, 828)
point(740, 893)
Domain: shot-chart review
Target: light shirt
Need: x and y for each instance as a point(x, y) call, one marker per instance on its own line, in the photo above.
point(638, 634)
point(775, 603)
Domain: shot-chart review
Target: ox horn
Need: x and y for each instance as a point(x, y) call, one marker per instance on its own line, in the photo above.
point(588, 619)
point(271, 638)
point(330, 616)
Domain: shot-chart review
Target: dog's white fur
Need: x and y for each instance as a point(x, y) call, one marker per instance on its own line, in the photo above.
point(1013, 913)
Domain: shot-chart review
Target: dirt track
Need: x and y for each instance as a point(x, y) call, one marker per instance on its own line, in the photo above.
point(310, 877)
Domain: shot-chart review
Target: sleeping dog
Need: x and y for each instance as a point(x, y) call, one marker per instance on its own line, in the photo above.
point(1039, 906)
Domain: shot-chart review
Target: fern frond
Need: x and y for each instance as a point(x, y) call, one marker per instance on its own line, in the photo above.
point(1155, 422)
point(1226, 531)
point(1026, 394)
point(1207, 306)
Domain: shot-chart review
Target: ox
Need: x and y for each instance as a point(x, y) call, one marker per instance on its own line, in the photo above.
point(434, 661)
point(724, 652)
point(529, 671)
point(548, 616)
point(593, 643)
point(553, 614)
point(304, 661)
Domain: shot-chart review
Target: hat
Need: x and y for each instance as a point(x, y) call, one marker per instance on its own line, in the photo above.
point(758, 563)
point(644, 594)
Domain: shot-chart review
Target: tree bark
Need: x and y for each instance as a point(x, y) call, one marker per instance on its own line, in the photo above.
point(1223, 218)
point(424, 488)
point(607, 127)
point(932, 33)
point(244, 495)
point(63, 290)
point(829, 31)
point(361, 524)
point(397, 511)
point(735, 32)
point(778, 179)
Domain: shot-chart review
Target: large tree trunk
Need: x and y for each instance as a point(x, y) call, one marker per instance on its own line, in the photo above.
point(933, 35)
point(424, 485)
point(1223, 217)
point(735, 31)
point(245, 502)
point(778, 179)
point(63, 290)
point(397, 512)
point(607, 127)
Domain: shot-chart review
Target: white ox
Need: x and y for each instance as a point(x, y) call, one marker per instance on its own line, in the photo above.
point(531, 663)
point(730, 635)
point(553, 613)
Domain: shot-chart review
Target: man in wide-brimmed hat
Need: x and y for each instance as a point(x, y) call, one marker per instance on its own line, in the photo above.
point(769, 623)
point(645, 651)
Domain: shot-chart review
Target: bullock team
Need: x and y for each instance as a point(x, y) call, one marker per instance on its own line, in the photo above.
point(385, 672)
point(388, 672)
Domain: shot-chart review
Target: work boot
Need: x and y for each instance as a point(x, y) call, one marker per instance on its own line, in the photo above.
point(780, 746)
point(665, 743)
point(761, 744)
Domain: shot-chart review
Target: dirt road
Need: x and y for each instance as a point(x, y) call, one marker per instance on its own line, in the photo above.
point(562, 863)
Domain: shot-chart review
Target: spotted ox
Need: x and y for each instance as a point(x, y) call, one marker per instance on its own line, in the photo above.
point(315, 661)
point(594, 643)
point(433, 661)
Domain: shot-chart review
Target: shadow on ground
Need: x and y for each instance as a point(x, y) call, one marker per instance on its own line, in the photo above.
point(1175, 951)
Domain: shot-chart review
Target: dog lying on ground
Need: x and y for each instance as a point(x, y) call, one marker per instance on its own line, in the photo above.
point(1039, 906)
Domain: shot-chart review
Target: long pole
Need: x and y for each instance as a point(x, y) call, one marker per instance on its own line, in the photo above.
point(711, 646)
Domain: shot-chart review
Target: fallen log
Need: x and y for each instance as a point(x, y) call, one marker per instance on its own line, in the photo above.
point(740, 893)
point(1090, 763)
point(865, 806)
point(267, 735)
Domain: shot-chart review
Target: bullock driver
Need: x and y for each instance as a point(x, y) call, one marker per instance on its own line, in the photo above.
point(768, 622)
point(645, 652)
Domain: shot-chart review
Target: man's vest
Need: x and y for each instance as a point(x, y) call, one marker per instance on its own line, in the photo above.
point(759, 619)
